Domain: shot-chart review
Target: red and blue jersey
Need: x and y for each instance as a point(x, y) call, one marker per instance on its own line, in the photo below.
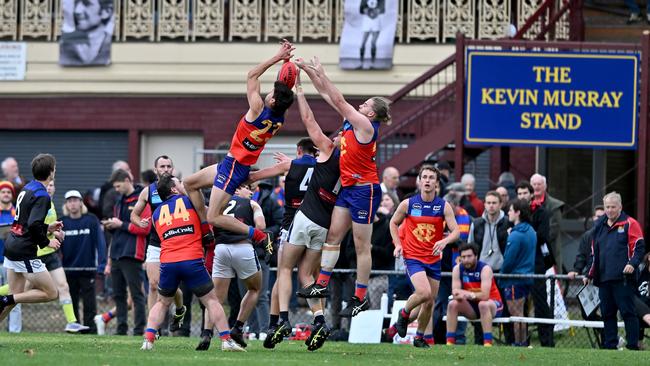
point(179, 228)
point(471, 280)
point(423, 227)
point(250, 137)
point(357, 163)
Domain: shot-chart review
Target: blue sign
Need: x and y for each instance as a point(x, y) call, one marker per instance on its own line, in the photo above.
point(551, 99)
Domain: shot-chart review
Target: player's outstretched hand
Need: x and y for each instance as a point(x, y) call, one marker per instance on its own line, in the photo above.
point(281, 158)
point(54, 244)
point(317, 66)
point(286, 49)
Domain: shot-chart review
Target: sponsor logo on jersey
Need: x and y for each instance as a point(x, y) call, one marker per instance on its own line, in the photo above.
point(362, 214)
point(249, 145)
point(183, 230)
point(36, 263)
point(221, 178)
point(437, 208)
point(417, 206)
point(621, 229)
point(155, 198)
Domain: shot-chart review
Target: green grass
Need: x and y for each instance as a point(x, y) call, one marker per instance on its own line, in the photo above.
point(70, 350)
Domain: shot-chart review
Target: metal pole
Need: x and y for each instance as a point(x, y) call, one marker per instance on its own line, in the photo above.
point(460, 99)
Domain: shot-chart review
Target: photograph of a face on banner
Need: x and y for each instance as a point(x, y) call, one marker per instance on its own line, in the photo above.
point(86, 32)
point(368, 34)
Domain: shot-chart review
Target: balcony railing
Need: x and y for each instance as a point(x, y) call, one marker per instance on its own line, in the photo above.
point(434, 21)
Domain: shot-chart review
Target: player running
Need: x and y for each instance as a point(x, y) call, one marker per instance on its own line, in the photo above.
point(28, 233)
point(181, 259)
point(423, 218)
point(234, 257)
point(360, 196)
point(149, 195)
point(261, 122)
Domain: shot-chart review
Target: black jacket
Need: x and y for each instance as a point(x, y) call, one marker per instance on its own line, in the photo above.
point(584, 251)
point(540, 221)
point(382, 244)
point(502, 232)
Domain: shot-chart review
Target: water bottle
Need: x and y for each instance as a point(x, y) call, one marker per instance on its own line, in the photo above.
point(384, 304)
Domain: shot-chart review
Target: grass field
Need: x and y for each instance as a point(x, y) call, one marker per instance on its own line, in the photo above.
point(70, 350)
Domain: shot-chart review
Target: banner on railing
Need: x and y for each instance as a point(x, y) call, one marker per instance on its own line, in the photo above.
point(86, 32)
point(583, 100)
point(368, 34)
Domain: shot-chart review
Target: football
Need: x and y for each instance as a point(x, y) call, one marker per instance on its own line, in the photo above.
point(288, 73)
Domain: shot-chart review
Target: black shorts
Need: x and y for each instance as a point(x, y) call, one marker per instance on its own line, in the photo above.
point(642, 309)
point(52, 261)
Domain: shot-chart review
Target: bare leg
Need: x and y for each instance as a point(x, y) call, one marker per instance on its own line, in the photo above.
point(516, 308)
point(290, 255)
point(204, 178)
point(362, 245)
point(248, 302)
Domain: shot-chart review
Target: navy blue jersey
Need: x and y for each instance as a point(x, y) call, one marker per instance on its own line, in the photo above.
point(153, 199)
point(295, 186)
point(29, 231)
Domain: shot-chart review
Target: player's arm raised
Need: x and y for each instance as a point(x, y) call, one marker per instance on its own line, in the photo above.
point(322, 142)
point(258, 216)
point(395, 222)
point(358, 120)
point(281, 167)
point(136, 217)
point(316, 81)
point(255, 101)
point(454, 235)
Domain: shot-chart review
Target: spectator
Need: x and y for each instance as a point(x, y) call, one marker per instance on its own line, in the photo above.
point(584, 249)
point(642, 299)
point(507, 181)
point(107, 195)
point(519, 258)
point(127, 250)
point(490, 232)
point(475, 294)
point(84, 248)
point(7, 214)
point(617, 248)
point(390, 182)
point(12, 174)
point(469, 182)
point(381, 251)
point(553, 207)
point(278, 192)
point(445, 173)
point(505, 195)
point(635, 11)
point(543, 261)
point(147, 177)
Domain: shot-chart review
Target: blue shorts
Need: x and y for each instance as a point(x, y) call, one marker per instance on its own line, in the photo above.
point(230, 175)
point(362, 201)
point(499, 305)
point(192, 273)
point(515, 292)
point(414, 266)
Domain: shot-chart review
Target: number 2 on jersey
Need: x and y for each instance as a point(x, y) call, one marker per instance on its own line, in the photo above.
point(180, 212)
point(228, 210)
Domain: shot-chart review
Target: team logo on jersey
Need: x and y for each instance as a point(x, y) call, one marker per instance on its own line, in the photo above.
point(437, 208)
point(424, 232)
point(621, 230)
point(183, 230)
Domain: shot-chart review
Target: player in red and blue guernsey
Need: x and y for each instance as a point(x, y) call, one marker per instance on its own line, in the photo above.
point(475, 294)
point(261, 122)
point(181, 259)
point(422, 219)
point(360, 196)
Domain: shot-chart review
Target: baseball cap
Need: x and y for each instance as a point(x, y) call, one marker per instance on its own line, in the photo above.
point(7, 184)
point(72, 194)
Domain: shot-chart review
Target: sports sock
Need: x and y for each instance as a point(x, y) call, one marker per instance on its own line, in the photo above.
point(68, 310)
point(8, 299)
point(107, 316)
point(329, 256)
point(239, 325)
point(419, 334)
point(451, 337)
point(225, 335)
point(284, 316)
point(391, 331)
point(4, 290)
point(273, 319)
point(487, 338)
point(429, 339)
point(405, 314)
point(150, 334)
point(319, 319)
point(360, 291)
point(324, 278)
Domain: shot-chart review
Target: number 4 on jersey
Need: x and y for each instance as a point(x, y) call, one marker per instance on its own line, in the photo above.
point(305, 180)
point(180, 212)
